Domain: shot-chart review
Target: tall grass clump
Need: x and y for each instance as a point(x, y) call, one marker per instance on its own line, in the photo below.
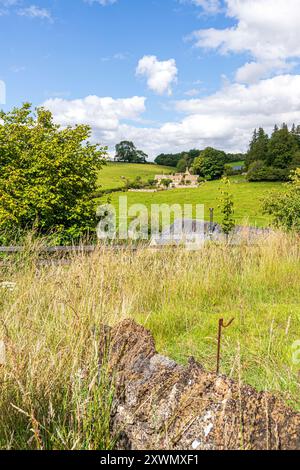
point(55, 393)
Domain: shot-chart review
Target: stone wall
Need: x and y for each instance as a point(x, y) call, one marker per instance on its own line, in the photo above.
point(162, 405)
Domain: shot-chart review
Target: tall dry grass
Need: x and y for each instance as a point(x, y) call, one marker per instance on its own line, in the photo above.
point(53, 395)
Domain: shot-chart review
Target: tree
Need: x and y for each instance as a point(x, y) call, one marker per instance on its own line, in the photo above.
point(166, 182)
point(295, 163)
point(210, 164)
point(284, 208)
point(127, 152)
point(258, 149)
point(47, 176)
point(172, 159)
point(282, 147)
point(227, 208)
point(182, 165)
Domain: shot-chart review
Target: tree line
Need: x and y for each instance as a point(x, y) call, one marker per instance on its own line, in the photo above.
point(272, 158)
point(183, 160)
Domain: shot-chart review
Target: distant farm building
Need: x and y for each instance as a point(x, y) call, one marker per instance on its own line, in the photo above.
point(179, 180)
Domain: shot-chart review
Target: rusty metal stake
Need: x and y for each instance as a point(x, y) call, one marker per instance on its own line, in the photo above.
point(221, 325)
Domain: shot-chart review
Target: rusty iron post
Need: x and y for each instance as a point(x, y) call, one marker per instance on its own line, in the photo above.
point(221, 326)
point(211, 222)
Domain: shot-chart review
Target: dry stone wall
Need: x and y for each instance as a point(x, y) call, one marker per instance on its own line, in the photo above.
point(162, 405)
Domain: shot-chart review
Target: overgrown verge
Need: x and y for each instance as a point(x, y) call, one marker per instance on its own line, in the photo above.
point(51, 317)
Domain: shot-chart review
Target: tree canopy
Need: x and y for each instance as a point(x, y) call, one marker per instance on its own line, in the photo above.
point(127, 152)
point(47, 176)
point(272, 158)
point(210, 164)
point(172, 159)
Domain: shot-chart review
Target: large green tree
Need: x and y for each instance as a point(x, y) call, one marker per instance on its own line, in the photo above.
point(282, 147)
point(127, 152)
point(47, 176)
point(258, 148)
point(210, 164)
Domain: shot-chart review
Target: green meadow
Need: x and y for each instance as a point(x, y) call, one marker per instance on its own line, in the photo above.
point(247, 199)
point(114, 175)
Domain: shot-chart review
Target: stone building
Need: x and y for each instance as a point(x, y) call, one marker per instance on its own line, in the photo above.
point(179, 180)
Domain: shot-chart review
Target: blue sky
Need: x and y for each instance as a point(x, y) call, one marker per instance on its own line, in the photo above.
point(171, 74)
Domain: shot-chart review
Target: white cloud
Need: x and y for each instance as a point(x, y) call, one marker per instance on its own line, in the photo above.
point(266, 29)
point(34, 11)
point(104, 3)
point(209, 6)
point(102, 114)
point(224, 119)
point(160, 74)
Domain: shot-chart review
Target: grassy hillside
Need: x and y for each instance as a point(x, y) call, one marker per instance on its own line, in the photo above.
point(50, 396)
point(112, 175)
point(247, 199)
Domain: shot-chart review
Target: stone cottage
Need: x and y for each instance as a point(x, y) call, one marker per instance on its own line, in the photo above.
point(179, 180)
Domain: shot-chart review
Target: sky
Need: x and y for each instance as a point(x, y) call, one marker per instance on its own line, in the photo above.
point(170, 75)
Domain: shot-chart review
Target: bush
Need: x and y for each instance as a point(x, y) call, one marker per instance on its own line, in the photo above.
point(285, 207)
point(48, 175)
point(258, 171)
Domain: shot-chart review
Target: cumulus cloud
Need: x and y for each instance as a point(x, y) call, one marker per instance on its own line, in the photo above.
point(224, 119)
point(265, 29)
point(160, 74)
point(100, 113)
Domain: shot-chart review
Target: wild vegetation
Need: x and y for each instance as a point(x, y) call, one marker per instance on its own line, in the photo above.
point(47, 176)
point(52, 395)
point(285, 207)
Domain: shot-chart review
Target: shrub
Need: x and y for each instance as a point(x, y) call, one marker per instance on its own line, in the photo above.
point(285, 208)
point(48, 175)
point(258, 171)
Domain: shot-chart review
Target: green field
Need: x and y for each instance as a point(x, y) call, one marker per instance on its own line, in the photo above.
point(114, 175)
point(239, 163)
point(247, 199)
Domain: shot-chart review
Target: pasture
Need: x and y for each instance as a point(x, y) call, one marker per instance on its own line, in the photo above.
point(247, 199)
point(114, 175)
